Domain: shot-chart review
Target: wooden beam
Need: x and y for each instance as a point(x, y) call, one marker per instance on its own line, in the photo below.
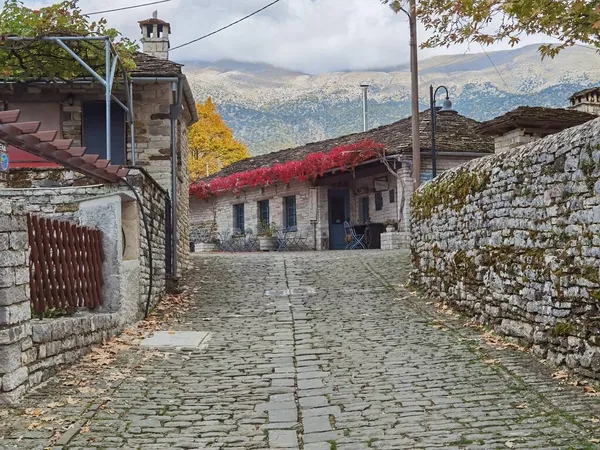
point(347, 177)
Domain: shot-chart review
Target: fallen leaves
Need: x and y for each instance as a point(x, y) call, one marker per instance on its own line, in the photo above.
point(53, 405)
point(35, 412)
point(446, 309)
point(491, 361)
point(590, 391)
point(496, 341)
point(509, 444)
point(521, 406)
point(34, 425)
point(561, 375)
point(89, 390)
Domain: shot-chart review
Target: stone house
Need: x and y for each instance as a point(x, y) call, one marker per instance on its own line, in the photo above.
point(368, 196)
point(60, 175)
point(530, 123)
point(163, 108)
point(587, 100)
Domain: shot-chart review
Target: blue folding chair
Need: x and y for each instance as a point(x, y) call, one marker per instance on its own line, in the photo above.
point(354, 240)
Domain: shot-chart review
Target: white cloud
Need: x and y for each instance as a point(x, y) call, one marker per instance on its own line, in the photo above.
point(307, 35)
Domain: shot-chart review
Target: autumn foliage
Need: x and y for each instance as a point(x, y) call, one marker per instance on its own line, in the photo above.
point(211, 141)
point(451, 22)
point(343, 157)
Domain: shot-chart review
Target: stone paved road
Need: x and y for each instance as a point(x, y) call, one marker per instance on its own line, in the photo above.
point(315, 351)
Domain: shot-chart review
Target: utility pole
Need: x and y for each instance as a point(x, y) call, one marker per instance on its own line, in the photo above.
point(364, 88)
point(414, 94)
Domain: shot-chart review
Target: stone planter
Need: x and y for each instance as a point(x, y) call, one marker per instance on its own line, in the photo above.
point(395, 240)
point(204, 247)
point(267, 244)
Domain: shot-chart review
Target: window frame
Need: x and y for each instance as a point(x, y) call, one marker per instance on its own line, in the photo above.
point(378, 201)
point(286, 212)
point(365, 207)
point(237, 209)
point(260, 211)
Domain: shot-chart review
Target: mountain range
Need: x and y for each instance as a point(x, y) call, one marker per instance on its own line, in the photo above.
point(270, 108)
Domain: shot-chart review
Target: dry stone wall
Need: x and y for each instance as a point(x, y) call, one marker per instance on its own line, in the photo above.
point(32, 350)
point(15, 328)
point(514, 240)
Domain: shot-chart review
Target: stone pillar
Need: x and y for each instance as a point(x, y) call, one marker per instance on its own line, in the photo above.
point(105, 214)
point(15, 312)
point(323, 218)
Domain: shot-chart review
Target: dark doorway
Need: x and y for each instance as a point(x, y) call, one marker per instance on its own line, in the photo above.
point(339, 212)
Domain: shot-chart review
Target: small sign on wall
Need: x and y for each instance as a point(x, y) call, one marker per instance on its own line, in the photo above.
point(381, 184)
point(312, 204)
point(4, 160)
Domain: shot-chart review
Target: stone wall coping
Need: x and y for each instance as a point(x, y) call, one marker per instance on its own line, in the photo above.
point(8, 192)
point(48, 330)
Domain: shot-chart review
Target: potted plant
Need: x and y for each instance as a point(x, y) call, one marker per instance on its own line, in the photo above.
point(266, 237)
point(390, 226)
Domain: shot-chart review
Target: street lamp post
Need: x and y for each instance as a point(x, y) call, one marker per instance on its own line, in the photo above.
point(446, 107)
point(364, 88)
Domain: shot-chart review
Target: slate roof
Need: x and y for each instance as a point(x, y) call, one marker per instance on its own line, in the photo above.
point(584, 92)
point(150, 66)
point(455, 133)
point(544, 120)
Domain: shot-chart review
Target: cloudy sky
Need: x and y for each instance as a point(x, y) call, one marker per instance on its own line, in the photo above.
point(307, 35)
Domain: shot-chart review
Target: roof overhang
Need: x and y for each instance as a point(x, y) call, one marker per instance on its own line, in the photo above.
point(25, 135)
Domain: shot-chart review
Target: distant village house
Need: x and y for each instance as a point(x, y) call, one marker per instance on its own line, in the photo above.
point(367, 197)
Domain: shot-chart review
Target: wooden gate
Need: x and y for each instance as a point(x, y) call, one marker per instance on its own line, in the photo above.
point(65, 265)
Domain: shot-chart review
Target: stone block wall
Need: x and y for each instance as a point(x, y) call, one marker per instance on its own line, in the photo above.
point(15, 327)
point(513, 239)
point(28, 178)
point(513, 139)
point(154, 200)
point(153, 130)
point(395, 240)
point(60, 341)
point(219, 210)
point(183, 198)
point(32, 350)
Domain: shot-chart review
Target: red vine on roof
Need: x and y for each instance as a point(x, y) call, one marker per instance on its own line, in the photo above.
point(343, 157)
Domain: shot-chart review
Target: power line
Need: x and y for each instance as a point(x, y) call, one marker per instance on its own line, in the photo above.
point(126, 7)
point(226, 26)
point(497, 71)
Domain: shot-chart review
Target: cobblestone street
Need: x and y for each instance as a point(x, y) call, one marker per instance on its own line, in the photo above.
point(313, 351)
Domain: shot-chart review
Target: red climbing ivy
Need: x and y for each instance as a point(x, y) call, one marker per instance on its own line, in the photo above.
point(343, 157)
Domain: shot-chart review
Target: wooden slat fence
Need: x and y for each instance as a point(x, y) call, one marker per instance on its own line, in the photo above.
point(65, 265)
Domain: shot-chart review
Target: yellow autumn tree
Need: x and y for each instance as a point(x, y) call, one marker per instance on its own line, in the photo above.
point(212, 145)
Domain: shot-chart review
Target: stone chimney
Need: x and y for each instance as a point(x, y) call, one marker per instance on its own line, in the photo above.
point(155, 36)
point(587, 101)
